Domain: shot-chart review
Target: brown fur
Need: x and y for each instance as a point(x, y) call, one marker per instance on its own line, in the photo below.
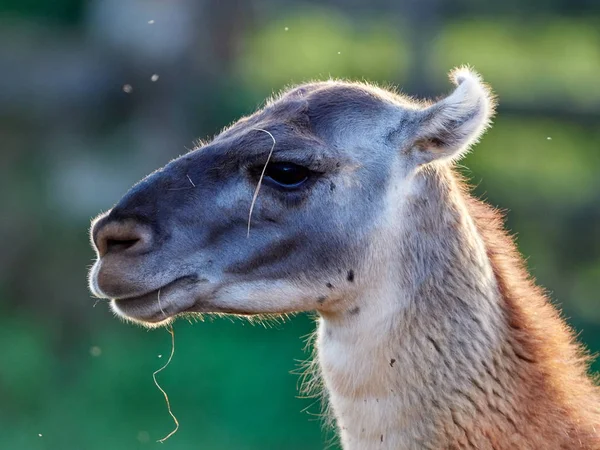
point(477, 364)
point(555, 405)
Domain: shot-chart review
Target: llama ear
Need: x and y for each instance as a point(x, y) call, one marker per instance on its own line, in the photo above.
point(446, 129)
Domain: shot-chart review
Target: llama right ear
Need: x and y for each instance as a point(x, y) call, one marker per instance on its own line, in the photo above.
point(446, 129)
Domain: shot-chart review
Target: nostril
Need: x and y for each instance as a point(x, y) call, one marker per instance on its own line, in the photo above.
point(121, 236)
point(115, 245)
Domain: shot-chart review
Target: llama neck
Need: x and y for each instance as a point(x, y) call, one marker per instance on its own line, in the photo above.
point(418, 333)
point(425, 358)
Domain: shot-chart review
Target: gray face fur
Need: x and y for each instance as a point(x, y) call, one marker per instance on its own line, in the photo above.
point(178, 240)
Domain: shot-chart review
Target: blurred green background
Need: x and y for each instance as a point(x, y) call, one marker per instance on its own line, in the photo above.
point(72, 142)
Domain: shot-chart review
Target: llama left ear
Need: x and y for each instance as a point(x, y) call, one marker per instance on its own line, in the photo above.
point(446, 129)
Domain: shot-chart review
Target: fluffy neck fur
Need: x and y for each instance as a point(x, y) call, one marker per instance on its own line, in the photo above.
point(453, 346)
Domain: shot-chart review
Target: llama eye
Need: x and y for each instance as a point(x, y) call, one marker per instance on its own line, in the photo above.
point(286, 175)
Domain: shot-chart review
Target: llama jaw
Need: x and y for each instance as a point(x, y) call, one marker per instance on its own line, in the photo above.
point(160, 305)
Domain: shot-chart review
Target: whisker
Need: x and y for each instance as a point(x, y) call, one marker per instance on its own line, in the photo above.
point(160, 306)
point(262, 175)
point(188, 177)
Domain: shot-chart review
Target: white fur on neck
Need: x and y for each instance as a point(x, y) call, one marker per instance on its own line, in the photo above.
point(383, 373)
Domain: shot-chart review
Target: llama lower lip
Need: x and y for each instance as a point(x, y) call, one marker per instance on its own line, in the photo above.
point(153, 293)
point(158, 305)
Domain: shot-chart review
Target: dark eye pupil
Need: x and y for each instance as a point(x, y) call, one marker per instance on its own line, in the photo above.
point(286, 174)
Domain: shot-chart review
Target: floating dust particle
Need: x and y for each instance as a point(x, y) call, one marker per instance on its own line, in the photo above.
point(160, 356)
point(339, 53)
point(127, 88)
point(151, 22)
point(172, 333)
point(154, 78)
point(95, 350)
point(143, 436)
point(286, 29)
point(549, 138)
point(40, 434)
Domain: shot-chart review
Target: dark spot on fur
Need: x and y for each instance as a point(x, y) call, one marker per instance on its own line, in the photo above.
point(436, 142)
point(321, 300)
point(332, 186)
point(392, 361)
point(381, 438)
point(354, 311)
point(350, 276)
point(437, 347)
point(329, 285)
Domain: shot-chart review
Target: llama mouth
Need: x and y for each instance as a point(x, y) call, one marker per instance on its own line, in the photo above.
point(160, 305)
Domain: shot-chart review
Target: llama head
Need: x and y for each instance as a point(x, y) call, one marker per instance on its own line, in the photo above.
point(333, 161)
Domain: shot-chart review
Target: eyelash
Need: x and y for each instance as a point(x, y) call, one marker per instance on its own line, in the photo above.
point(286, 175)
point(275, 169)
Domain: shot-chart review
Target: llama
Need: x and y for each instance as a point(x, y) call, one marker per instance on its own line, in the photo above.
point(431, 334)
